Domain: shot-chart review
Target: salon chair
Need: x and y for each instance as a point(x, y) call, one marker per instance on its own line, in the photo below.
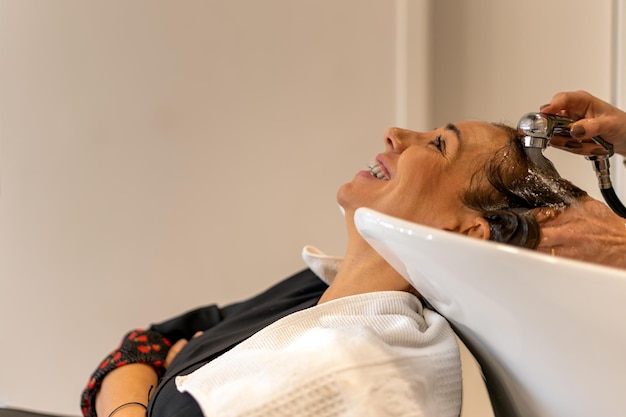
point(547, 332)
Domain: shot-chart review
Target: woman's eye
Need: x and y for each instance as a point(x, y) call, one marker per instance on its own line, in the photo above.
point(438, 143)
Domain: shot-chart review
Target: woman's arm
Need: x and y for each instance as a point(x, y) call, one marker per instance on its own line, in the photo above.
point(126, 390)
point(139, 347)
point(150, 352)
point(130, 384)
point(135, 348)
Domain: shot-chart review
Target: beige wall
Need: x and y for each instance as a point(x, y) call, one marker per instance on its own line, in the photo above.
point(157, 155)
point(497, 60)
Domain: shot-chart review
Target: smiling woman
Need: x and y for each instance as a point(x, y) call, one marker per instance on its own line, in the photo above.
point(350, 335)
point(471, 178)
point(425, 175)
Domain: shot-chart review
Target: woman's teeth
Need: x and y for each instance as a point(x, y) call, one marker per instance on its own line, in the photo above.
point(376, 171)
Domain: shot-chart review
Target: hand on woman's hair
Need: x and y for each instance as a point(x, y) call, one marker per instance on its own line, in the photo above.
point(587, 231)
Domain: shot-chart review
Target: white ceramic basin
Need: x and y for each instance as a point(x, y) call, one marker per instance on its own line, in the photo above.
point(549, 333)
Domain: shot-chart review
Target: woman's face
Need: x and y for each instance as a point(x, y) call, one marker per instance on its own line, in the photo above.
point(421, 176)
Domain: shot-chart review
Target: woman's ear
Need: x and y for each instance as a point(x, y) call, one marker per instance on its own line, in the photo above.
point(477, 227)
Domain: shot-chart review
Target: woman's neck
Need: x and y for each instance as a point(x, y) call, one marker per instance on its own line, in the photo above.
point(363, 270)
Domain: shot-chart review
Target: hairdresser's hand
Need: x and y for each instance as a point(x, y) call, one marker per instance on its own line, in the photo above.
point(175, 349)
point(595, 117)
point(587, 231)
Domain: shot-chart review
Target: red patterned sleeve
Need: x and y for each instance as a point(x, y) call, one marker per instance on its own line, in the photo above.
point(138, 346)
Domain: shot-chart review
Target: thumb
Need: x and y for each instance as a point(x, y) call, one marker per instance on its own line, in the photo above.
point(174, 349)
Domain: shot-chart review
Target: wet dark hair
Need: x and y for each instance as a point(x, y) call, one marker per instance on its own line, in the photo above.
point(511, 186)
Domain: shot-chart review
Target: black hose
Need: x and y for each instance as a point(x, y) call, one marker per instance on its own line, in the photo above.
point(613, 201)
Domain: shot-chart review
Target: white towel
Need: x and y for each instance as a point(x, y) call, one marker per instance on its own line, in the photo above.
point(376, 354)
point(322, 265)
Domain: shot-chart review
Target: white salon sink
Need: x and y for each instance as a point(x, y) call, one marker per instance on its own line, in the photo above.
point(549, 333)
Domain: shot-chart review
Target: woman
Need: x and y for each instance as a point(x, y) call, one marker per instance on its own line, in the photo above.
point(471, 178)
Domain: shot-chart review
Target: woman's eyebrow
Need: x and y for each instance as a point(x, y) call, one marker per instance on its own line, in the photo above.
point(452, 127)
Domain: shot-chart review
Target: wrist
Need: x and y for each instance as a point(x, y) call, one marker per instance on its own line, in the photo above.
point(131, 408)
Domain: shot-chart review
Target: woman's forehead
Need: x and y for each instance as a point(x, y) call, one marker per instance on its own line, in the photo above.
point(481, 133)
point(478, 128)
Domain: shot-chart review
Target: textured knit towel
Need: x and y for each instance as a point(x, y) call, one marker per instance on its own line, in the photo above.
point(377, 354)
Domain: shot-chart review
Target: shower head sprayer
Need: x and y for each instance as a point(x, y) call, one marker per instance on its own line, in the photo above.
point(540, 130)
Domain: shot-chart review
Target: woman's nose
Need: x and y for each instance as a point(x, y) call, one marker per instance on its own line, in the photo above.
point(397, 140)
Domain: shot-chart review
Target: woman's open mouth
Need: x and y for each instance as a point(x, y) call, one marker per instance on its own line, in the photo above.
point(376, 171)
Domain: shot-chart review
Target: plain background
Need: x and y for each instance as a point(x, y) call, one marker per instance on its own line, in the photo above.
point(157, 155)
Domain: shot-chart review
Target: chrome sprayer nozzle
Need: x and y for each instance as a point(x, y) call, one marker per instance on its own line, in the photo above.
point(540, 130)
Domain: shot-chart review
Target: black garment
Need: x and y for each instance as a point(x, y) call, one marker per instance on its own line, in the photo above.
point(224, 328)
